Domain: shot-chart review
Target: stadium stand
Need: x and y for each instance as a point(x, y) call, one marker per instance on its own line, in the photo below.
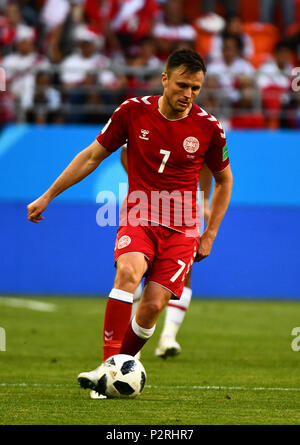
point(130, 43)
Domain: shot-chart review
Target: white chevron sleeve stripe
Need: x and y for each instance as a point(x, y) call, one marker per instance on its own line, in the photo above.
point(144, 99)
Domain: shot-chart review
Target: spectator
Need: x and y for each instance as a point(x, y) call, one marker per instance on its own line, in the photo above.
point(233, 27)
point(230, 68)
point(145, 74)
point(98, 15)
point(172, 31)
point(41, 102)
point(145, 55)
point(209, 97)
point(84, 70)
point(274, 81)
point(53, 19)
point(267, 9)
point(89, 104)
point(21, 65)
point(86, 59)
point(247, 110)
point(9, 24)
point(278, 70)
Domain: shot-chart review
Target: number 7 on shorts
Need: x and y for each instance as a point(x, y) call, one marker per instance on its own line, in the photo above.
point(176, 275)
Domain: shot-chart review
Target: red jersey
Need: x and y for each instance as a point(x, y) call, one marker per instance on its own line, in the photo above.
point(164, 160)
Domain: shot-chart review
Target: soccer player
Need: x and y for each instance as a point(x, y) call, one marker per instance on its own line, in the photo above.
point(169, 139)
point(175, 313)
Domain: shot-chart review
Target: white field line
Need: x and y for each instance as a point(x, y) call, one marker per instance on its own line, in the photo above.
point(191, 387)
point(27, 304)
point(226, 388)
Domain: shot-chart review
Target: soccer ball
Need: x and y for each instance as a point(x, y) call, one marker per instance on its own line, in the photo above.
point(121, 376)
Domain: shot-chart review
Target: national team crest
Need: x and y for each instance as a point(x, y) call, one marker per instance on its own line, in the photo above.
point(124, 241)
point(191, 144)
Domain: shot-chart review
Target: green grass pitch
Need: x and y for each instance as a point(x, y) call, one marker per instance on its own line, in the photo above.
point(237, 367)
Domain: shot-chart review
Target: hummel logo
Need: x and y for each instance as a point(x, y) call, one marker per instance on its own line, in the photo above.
point(144, 134)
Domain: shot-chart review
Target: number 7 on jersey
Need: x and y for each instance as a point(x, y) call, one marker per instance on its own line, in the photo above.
point(166, 154)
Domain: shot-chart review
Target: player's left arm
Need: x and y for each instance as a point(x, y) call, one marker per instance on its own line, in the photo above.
point(217, 160)
point(84, 163)
point(205, 181)
point(220, 201)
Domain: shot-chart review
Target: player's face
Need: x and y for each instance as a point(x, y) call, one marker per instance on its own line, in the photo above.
point(181, 89)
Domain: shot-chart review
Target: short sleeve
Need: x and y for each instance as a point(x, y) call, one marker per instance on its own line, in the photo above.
point(115, 133)
point(216, 156)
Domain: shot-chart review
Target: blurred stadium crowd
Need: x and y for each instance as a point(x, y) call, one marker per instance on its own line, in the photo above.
point(75, 61)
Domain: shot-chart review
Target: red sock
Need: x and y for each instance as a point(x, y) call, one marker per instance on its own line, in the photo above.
point(135, 338)
point(132, 344)
point(117, 318)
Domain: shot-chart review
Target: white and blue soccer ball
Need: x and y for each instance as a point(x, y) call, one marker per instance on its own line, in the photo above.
point(121, 376)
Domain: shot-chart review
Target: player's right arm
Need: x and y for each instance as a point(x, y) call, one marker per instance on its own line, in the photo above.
point(81, 166)
point(113, 135)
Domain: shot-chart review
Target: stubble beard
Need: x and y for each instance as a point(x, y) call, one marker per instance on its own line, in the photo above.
point(173, 107)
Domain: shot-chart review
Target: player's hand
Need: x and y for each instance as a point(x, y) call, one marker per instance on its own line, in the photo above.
point(36, 208)
point(206, 242)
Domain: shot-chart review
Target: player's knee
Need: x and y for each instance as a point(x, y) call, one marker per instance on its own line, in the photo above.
point(155, 307)
point(127, 273)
